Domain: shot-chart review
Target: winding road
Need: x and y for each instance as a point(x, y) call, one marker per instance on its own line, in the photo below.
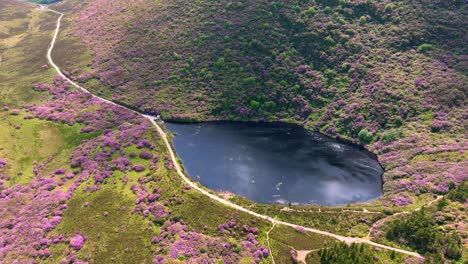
point(188, 180)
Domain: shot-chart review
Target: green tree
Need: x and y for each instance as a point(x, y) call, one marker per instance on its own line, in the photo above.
point(365, 136)
point(341, 253)
point(254, 105)
point(220, 63)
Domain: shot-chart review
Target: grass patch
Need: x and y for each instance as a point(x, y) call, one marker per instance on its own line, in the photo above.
point(445, 156)
point(25, 141)
point(19, 72)
point(117, 238)
point(195, 211)
point(300, 240)
point(281, 252)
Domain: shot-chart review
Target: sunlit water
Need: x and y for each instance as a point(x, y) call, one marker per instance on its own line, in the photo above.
point(276, 163)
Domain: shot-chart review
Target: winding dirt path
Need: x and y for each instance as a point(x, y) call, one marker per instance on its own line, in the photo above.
point(186, 179)
point(268, 242)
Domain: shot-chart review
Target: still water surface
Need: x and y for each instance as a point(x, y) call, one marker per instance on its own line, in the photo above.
point(276, 163)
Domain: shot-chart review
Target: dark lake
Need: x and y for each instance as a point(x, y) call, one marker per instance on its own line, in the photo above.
point(276, 163)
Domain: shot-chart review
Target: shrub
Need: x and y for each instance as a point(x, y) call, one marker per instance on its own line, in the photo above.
point(254, 105)
point(459, 194)
point(250, 81)
point(15, 112)
point(145, 154)
point(365, 136)
point(452, 185)
point(439, 125)
point(388, 211)
point(389, 7)
point(138, 168)
point(220, 63)
point(77, 242)
point(362, 20)
point(442, 203)
point(391, 136)
point(3, 163)
point(398, 122)
point(87, 129)
point(310, 12)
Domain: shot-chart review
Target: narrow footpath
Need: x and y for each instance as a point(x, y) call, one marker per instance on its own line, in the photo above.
point(187, 179)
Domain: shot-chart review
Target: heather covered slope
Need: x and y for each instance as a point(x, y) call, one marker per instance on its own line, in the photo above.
point(81, 180)
point(388, 74)
point(280, 60)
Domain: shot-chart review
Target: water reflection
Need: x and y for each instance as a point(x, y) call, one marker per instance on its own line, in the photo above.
point(276, 163)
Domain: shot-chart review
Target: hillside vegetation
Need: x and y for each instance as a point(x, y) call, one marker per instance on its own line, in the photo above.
point(388, 74)
point(83, 181)
point(339, 66)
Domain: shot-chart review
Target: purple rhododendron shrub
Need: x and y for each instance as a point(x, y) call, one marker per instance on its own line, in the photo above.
point(401, 200)
point(3, 163)
point(15, 112)
point(59, 171)
point(77, 241)
point(138, 168)
point(145, 154)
